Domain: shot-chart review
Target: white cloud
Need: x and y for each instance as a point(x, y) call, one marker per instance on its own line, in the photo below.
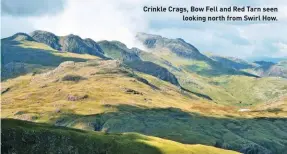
point(121, 19)
point(95, 19)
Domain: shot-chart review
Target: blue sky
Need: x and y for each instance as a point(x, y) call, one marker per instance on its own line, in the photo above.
point(122, 19)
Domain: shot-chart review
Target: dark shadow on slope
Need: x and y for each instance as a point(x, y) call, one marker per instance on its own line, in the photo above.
point(119, 51)
point(12, 53)
point(154, 70)
point(237, 64)
point(217, 70)
point(256, 136)
point(249, 74)
point(264, 65)
point(27, 137)
point(197, 94)
point(142, 80)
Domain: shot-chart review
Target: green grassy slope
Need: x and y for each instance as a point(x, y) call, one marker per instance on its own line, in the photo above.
point(224, 88)
point(27, 137)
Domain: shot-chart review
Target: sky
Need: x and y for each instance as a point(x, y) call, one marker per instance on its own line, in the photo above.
point(122, 19)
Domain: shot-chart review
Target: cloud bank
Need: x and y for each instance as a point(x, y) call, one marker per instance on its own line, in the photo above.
point(122, 19)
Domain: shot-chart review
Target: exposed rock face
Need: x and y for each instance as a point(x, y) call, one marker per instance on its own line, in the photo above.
point(76, 97)
point(70, 43)
point(92, 44)
point(74, 43)
point(47, 38)
point(73, 78)
point(60, 68)
point(131, 91)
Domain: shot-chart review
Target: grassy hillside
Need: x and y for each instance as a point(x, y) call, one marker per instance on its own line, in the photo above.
point(225, 87)
point(27, 137)
point(104, 96)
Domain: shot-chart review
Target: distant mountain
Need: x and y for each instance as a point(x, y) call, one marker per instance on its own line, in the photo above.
point(260, 68)
point(232, 62)
point(272, 69)
point(264, 64)
point(177, 46)
point(179, 52)
point(267, 59)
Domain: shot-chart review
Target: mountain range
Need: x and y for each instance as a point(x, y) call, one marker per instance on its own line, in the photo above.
point(169, 90)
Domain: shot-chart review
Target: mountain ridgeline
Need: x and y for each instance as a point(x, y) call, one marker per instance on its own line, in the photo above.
point(132, 57)
point(75, 44)
point(258, 68)
point(169, 90)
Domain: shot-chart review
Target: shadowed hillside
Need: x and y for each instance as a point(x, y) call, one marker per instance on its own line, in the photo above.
point(27, 137)
point(21, 54)
point(239, 134)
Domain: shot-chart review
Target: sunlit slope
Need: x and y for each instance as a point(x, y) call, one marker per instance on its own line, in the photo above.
point(27, 137)
point(228, 89)
point(96, 85)
point(107, 96)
